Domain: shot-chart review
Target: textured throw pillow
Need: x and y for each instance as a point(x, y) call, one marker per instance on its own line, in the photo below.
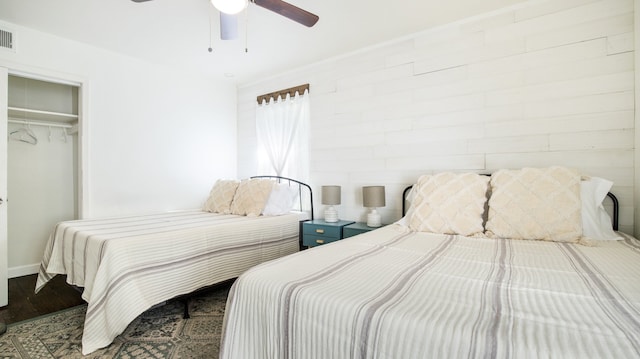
point(535, 203)
point(251, 197)
point(281, 200)
point(449, 203)
point(220, 197)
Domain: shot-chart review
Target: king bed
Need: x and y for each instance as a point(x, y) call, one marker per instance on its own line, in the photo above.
point(519, 265)
point(128, 264)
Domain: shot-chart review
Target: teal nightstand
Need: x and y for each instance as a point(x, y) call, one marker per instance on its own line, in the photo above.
point(357, 228)
point(319, 232)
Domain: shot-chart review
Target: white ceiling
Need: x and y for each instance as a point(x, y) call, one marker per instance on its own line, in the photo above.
point(176, 32)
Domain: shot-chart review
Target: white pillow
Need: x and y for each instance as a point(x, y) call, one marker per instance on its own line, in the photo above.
point(404, 221)
point(596, 223)
point(281, 200)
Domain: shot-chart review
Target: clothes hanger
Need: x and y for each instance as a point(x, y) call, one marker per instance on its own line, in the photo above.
point(64, 135)
point(25, 135)
point(19, 135)
point(30, 132)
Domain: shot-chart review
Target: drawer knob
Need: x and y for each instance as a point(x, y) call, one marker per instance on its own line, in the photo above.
point(319, 241)
point(321, 231)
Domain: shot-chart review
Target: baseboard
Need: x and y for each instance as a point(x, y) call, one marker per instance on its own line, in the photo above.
point(23, 270)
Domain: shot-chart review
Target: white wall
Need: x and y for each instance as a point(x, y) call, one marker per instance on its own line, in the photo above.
point(549, 83)
point(155, 138)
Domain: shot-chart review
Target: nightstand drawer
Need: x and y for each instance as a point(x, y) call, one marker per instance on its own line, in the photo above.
point(350, 232)
point(322, 231)
point(357, 228)
point(317, 232)
point(312, 240)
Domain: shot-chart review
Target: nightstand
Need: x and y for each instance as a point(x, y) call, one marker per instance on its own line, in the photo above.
point(319, 232)
point(357, 228)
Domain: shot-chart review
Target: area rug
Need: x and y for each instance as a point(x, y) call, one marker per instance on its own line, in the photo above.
point(160, 332)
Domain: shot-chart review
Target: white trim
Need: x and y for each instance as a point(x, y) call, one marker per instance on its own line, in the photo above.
point(21, 271)
point(4, 239)
point(48, 76)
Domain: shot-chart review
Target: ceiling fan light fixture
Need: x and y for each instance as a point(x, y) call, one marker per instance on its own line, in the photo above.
point(229, 6)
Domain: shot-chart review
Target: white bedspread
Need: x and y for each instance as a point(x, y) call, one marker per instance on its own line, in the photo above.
point(391, 293)
point(126, 265)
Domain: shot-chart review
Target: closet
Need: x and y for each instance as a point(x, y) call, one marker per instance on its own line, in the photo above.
point(42, 166)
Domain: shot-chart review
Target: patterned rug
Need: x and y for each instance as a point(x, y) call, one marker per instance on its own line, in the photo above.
point(160, 332)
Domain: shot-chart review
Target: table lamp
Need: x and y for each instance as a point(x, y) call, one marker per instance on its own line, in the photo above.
point(373, 197)
point(331, 197)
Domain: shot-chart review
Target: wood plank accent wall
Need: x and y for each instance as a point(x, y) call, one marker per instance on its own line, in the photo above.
point(283, 93)
point(545, 83)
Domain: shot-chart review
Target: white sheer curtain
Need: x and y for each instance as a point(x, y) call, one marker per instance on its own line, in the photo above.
point(282, 128)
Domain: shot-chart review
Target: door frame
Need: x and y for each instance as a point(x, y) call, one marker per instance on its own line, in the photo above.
point(10, 68)
point(4, 252)
point(83, 92)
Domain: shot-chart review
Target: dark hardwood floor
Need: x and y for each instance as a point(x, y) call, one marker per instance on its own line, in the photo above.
point(25, 304)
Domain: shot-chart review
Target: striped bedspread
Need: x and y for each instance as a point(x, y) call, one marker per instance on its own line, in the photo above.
point(126, 265)
point(392, 293)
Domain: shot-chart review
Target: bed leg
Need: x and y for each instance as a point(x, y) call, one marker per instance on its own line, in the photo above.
point(185, 315)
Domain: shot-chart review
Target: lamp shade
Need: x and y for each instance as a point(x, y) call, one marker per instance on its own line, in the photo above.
point(373, 196)
point(229, 6)
point(331, 195)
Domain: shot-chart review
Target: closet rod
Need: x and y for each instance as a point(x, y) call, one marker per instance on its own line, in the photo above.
point(37, 123)
point(50, 113)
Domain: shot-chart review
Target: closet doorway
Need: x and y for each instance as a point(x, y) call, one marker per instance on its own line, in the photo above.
point(42, 166)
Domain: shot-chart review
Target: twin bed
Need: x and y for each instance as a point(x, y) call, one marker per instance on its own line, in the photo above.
point(128, 264)
point(522, 264)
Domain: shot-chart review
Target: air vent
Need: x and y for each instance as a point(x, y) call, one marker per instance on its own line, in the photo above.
point(6, 39)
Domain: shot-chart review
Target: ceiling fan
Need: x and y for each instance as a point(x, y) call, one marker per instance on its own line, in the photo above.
point(229, 8)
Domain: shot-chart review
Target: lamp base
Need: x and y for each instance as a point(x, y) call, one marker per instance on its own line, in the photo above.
point(330, 214)
point(373, 219)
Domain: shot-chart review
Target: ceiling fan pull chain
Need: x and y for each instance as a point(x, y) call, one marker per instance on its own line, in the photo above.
point(210, 30)
point(246, 30)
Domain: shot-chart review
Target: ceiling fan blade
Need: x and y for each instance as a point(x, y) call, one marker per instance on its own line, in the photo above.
point(140, 0)
point(228, 26)
point(289, 11)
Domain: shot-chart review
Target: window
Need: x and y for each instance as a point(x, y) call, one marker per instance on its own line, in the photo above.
point(282, 128)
